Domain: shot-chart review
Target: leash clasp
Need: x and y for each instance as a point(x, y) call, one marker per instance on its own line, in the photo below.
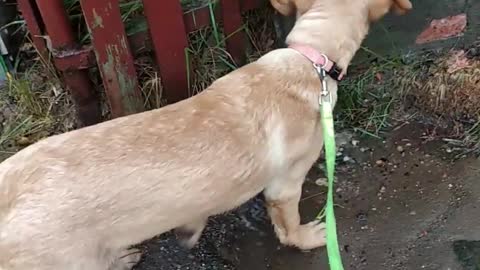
point(325, 95)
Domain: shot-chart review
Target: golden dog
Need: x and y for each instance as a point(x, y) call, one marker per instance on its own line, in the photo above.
point(80, 200)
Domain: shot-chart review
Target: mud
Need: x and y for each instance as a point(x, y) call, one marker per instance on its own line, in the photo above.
point(403, 204)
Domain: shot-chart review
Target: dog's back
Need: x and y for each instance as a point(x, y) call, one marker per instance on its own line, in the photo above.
point(12, 180)
point(126, 180)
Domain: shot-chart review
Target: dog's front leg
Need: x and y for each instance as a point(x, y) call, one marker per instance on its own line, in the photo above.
point(282, 199)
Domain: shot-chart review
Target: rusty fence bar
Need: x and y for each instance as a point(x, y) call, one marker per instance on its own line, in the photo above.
point(168, 31)
point(64, 45)
point(28, 9)
point(232, 25)
point(114, 58)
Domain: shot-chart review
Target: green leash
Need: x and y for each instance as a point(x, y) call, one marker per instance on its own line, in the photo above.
point(3, 69)
point(326, 112)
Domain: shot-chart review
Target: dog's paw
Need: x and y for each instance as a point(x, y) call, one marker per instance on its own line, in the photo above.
point(127, 259)
point(309, 236)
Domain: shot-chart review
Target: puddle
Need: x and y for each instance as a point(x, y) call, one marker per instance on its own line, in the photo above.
point(468, 254)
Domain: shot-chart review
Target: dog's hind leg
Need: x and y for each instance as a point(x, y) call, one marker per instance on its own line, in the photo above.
point(189, 234)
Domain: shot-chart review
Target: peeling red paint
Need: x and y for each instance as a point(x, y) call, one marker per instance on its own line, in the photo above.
point(114, 57)
point(169, 28)
point(444, 28)
point(69, 60)
point(63, 42)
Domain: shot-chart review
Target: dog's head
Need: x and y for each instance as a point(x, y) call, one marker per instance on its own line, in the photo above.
point(376, 8)
point(290, 7)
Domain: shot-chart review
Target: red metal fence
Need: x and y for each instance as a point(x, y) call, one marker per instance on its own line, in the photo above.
point(52, 34)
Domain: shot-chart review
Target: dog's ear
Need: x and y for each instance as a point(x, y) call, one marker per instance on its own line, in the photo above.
point(292, 7)
point(401, 7)
point(378, 8)
point(303, 6)
point(284, 7)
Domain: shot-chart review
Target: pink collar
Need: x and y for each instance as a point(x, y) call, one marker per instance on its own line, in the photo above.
point(319, 59)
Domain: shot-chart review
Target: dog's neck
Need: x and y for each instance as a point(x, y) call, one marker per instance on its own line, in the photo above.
point(324, 29)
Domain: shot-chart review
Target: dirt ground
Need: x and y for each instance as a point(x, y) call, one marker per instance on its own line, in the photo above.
point(403, 204)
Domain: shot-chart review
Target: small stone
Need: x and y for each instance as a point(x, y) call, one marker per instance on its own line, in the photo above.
point(355, 142)
point(383, 189)
point(322, 182)
point(343, 138)
point(23, 141)
point(400, 148)
point(413, 213)
point(347, 159)
point(380, 162)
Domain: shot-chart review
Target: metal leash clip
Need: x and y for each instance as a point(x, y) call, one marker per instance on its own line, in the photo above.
point(325, 95)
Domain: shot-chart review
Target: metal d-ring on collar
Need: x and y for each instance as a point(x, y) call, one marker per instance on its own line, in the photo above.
point(325, 95)
point(323, 66)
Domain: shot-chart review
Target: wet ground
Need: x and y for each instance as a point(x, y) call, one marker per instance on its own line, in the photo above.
point(403, 204)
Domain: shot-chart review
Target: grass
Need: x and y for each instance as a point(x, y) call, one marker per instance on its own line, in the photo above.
point(471, 139)
point(207, 57)
point(366, 100)
point(33, 105)
point(418, 86)
point(452, 97)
